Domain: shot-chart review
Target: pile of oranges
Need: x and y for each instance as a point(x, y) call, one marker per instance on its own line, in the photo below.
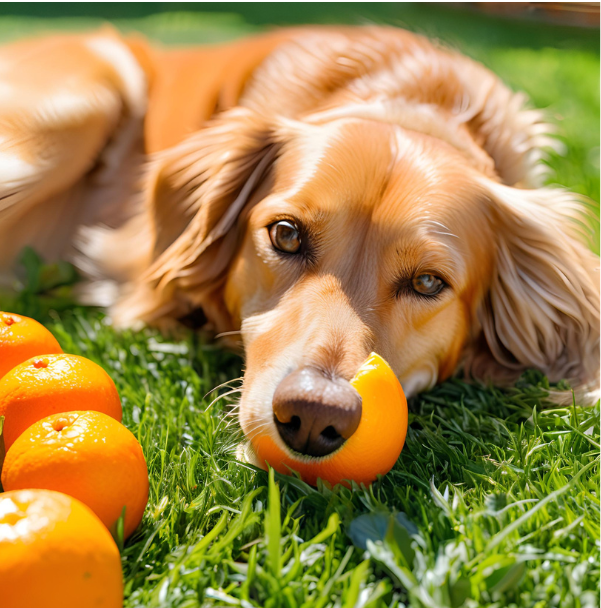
point(70, 471)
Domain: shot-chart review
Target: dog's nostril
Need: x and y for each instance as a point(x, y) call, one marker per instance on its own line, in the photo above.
point(295, 423)
point(293, 426)
point(330, 433)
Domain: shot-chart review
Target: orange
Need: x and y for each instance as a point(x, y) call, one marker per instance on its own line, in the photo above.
point(87, 455)
point(372, 449)
point(55, 553)
point(51, 384)
point(22, 338)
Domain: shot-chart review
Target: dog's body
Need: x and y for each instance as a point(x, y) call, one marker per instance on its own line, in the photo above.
point(326, 191)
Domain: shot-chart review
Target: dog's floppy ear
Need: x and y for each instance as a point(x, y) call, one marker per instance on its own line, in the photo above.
point(542, 310)
point(173, 254)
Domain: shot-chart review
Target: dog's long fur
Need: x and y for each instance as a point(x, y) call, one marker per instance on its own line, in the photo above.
point(158, 171)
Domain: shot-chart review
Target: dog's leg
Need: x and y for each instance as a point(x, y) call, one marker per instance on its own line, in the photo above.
point(71, 117)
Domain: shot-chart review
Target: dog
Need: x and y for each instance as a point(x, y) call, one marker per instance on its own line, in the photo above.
point(320, 192)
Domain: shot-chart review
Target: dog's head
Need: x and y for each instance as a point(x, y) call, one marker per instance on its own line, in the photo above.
point(391, 223)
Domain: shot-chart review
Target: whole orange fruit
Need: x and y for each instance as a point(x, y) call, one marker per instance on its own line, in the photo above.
point(22, 338)
point(371, 450)
point(55, 553)
point(51, 384)
point(87, 455)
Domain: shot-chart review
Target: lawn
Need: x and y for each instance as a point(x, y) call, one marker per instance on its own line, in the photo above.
point(495, 498)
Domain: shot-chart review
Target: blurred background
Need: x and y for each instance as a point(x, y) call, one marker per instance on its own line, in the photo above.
point(550, 50)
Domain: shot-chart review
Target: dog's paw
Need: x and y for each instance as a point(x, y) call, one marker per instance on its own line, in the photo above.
point(246, 453)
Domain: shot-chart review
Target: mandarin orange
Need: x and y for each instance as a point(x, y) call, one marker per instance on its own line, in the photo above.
point(87, 455)
point(51, 384)
point(55, 553)
point(22, 338)
point(372, 449)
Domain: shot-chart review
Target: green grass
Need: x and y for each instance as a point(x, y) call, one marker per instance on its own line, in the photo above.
point(499, 495)
point(495, 498)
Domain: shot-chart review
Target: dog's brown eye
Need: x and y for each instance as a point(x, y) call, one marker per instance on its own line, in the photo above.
point(285, 236)
point(428, 284)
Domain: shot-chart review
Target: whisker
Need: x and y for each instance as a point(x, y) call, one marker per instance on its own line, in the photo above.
point(228, 425)
point(219, 397)
point(254, 431)
point(228, 333)
point(233, 410)
point(241, 379)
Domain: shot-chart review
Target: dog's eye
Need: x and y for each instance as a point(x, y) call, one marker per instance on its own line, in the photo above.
point(428, 284)
point(285, 236)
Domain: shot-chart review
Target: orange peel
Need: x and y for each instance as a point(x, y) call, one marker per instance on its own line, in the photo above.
point(53, 384)
point(55, 553)
point(22, 338)
point(87, 455)
point(373, 448)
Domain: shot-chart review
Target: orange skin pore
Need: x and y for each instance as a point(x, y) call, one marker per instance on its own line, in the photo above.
point(372, 449)
point(87, 455)
point(52, 384)
point(22, 338)
point(55, 553)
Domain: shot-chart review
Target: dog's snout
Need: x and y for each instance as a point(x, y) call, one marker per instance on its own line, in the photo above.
point(315, 414)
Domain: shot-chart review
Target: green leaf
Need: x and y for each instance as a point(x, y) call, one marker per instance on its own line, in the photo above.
point(506, 578)
point(374, 526)
point(402, 520)
point(460, 591)
point(398, 539)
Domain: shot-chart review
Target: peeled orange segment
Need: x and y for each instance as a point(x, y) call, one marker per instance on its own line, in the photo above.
point(52, 384)
point(87, 455)
point(22, 338)
point(372, 449)
point(55, 553)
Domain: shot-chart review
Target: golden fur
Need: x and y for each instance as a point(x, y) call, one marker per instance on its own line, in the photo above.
point(159, 172)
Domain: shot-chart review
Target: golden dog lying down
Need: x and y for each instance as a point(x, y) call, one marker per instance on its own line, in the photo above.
point(326, 191)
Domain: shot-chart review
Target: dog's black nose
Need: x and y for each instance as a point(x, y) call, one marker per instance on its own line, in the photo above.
point(314, 414)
